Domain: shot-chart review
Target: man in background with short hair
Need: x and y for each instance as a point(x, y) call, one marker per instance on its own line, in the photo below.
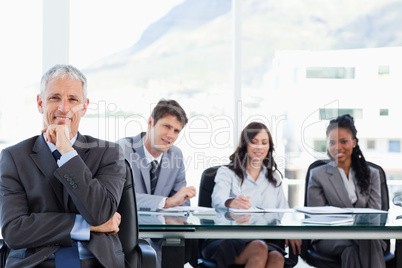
point(157, 164)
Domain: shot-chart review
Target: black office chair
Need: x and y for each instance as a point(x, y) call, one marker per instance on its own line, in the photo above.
point(316, 259)
point(138, 252)
point(207, 184)
point(4, 251)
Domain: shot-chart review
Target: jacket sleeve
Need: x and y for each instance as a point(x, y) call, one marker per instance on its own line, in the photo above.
point(315, 192)
point(180, 180)
point(95, 193)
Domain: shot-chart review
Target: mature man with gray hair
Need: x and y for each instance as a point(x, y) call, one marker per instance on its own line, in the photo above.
point(59, 191)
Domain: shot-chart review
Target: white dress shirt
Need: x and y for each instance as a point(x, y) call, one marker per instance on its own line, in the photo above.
point(349, 184)
point(262, 192)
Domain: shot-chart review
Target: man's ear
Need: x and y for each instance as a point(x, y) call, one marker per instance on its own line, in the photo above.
point(150, 122)
point(39, 103)
point(85, 107)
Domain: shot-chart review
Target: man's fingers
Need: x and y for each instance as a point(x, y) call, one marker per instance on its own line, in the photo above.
point(189, 192)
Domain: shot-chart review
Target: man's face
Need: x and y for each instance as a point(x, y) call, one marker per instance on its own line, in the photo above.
point(164, 133)
point(63, 103)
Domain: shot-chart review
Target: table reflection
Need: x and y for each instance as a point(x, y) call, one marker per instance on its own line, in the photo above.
point(284, 219)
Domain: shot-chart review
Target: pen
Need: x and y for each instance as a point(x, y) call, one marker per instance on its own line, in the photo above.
point(251, 203)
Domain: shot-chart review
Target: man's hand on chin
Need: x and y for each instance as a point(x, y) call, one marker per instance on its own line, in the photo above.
point(59, 135)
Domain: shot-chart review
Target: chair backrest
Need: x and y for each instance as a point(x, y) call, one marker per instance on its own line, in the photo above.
point(384, 186)
point(4, 251)
point(128, 233)
point(315, 164)
point(207, 184)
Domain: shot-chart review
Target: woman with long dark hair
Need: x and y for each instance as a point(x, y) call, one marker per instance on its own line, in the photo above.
point(347, 181)
point(251, 179)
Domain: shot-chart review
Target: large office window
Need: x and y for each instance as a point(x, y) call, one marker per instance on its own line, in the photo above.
point(330, 72)
point(135, 54)
point(303, 64)
point(394, 146)
point(20, 67)
point(181, 51)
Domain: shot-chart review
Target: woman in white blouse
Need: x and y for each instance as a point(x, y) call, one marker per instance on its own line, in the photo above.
point(251, 179)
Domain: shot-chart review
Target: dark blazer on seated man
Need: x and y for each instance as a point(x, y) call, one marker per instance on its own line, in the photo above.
point(48, 204)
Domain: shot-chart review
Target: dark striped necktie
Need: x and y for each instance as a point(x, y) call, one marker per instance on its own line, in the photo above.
point(153, 172)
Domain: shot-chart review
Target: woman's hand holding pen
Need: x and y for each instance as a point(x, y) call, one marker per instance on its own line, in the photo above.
point(240, 202)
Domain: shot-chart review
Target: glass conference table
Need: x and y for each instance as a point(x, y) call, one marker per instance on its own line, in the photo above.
point(280, 224)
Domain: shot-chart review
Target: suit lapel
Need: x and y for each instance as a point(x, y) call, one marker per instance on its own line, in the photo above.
point(339, 187)
point(46, 163)
point(142, 163)
point(82, 147)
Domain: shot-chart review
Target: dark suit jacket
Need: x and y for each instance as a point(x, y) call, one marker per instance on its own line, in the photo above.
point(171, 176)
point(39, 200)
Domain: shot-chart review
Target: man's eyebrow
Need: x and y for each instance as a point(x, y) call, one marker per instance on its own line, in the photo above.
point(74, 96)
point(51, 95)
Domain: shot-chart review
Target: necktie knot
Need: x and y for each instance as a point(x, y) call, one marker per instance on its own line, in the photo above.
point(56, 154)
point(154, 166)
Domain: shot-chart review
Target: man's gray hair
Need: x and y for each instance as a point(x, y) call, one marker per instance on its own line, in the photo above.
point(60, 71)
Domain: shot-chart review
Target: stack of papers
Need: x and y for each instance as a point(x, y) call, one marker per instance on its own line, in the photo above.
point(195, 210)
point(260, 210)
point(336, 210)
point(329, 220)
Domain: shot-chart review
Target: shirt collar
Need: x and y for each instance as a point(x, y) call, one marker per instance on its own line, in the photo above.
point(52, 147)
point(149, 157)
point(263, 173)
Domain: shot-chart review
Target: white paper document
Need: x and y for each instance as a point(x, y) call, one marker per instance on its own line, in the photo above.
point(260, 210)
point(176, 213)
point(328, 220)
point(336, 210)
point(194, 210)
